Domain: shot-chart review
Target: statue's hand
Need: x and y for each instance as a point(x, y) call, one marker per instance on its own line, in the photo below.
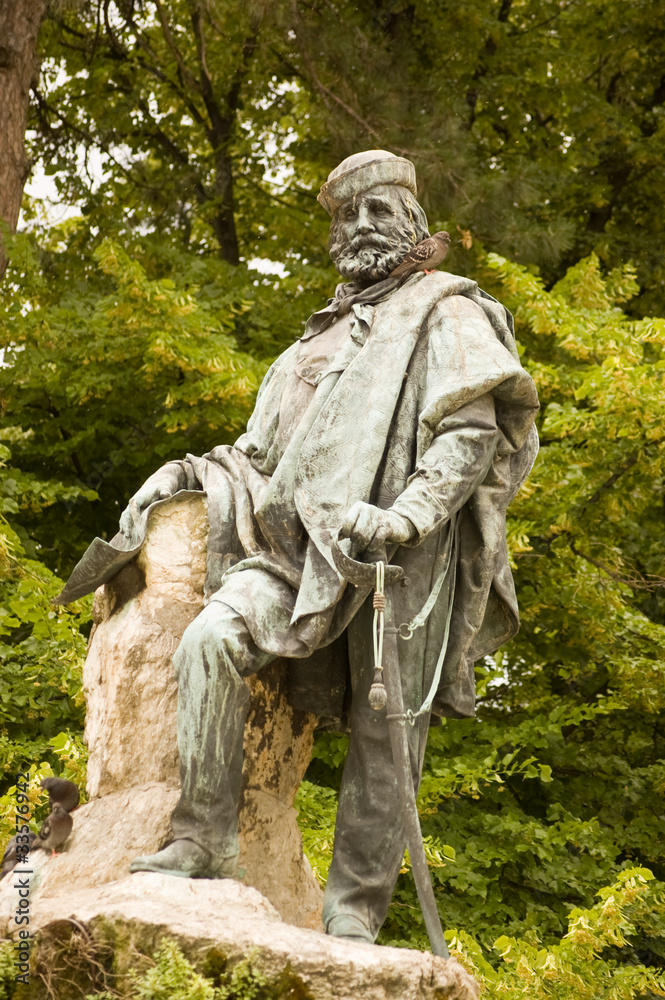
point(370, 527)
point(155, 488)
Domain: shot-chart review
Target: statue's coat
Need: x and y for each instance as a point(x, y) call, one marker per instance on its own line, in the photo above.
point(426, 410)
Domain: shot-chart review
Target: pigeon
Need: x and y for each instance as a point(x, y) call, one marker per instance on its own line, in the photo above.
point(11, 858)
point(62, 791)
point(55, 830)
point(63, 799)
point(425, 256)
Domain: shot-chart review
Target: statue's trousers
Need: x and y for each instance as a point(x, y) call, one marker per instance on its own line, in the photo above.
point(215, 654)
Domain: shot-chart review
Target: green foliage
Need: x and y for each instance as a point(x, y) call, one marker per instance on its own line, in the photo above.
point(587, 963)
point(317, 807)
point(41, 648)
point(244, 982)
point(7, 971)
point(173, 977)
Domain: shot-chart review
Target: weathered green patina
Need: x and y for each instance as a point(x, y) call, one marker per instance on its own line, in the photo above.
point(404, 403)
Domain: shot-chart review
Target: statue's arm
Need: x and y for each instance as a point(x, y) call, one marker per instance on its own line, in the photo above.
point(164, 483)
point(456, 462)
point(465, 361)
point(181, 475)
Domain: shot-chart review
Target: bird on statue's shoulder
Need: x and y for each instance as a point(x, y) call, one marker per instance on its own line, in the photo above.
point(425, 256)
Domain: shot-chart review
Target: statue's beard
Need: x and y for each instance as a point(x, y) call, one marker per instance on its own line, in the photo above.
point(370, 257)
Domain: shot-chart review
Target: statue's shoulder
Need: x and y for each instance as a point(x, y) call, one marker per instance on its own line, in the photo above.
point(439, 301)
point(436, 299)
point(284, 360)
point(427, 290)
point(287, 356)
point(465, 318)
point(455, 295)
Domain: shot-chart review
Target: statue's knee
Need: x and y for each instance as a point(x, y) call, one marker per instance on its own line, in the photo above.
point(209, 642)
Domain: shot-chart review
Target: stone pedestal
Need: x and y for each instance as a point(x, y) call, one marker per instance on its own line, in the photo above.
point(131, 696)
point(92, 940)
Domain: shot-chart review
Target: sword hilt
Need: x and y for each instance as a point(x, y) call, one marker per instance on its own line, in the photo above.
point(363, 574)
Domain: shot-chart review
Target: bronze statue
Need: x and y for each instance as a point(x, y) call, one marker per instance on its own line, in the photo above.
point(401, 418)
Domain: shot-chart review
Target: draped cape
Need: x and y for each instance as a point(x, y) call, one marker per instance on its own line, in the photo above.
point(433, 346)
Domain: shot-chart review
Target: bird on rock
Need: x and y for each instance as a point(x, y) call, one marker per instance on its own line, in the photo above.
point(13, 856)
point(62, 791)
point(425, 256)
point(55, 830)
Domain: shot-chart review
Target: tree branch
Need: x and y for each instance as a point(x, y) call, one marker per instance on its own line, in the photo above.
point(182, 92)
point(548, 20)
point(44, 107)
point(626, 467)
point(325, 91)
point(636, 582)
point(273, 197)
point(186, 76)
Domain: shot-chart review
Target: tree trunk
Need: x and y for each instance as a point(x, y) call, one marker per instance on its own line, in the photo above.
point(20, 21)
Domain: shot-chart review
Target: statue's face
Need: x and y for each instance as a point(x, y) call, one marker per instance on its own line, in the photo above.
point(371, 232)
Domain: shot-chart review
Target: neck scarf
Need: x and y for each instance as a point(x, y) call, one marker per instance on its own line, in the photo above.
point(347, 295)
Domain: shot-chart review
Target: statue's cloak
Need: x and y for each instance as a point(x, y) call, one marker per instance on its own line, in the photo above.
point(398, 422)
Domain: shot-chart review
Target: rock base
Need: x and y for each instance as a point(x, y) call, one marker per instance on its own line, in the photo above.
point(88, 941)
point(131, 697)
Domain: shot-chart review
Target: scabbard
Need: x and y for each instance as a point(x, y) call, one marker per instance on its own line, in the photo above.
point(397, 730)
point(365, 574)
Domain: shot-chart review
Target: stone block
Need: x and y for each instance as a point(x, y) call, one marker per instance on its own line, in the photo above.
point(131, 698)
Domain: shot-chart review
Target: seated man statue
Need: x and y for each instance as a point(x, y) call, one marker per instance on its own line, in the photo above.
point(401, 418)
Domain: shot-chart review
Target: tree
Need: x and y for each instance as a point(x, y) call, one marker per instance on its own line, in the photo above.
point(176, 98)
point(529, 131)
point(19, 27)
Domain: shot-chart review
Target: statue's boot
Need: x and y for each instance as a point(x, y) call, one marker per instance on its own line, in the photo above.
point(188, 860)
point(344, 925)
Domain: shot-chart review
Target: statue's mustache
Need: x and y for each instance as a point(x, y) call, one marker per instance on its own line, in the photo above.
point(368, 241)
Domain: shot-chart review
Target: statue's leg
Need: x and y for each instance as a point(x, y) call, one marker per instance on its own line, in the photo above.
point(369, 835)
point(215, 653)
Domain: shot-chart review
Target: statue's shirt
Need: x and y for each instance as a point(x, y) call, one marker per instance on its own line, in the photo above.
point(291, 391)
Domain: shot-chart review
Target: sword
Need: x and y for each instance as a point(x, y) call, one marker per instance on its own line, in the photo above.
point(386, 694)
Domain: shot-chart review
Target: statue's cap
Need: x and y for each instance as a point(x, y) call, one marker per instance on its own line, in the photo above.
point(363, 171)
